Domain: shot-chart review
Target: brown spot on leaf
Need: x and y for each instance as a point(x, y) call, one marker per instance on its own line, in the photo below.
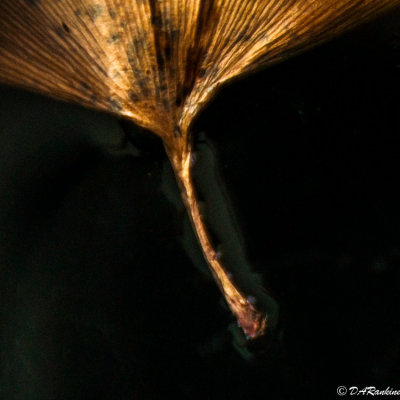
point(165, 103)
point(174, 35)
point(85, 86)
point(201, 72)
point(243, 37)
point(61, 31)
point(156, 21)
point(144, 87)
point(114, 38)
point(93, 99)
point(177, 131)
point(178, 100)
point(66, 28)
point(167, 51)
point(113, 13)
point(114, 105)
point(95, 11)
point(134, 97)
point(33, 2)
point(160, 61)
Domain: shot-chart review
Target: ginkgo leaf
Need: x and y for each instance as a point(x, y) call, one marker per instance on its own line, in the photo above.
point(157, 62)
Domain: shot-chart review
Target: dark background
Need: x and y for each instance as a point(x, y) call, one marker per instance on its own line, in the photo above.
point(100, 301)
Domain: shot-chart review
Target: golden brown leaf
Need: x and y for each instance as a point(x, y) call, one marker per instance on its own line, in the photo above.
point(157, 62)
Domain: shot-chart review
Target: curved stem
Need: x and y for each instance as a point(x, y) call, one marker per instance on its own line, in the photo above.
point(252, 320)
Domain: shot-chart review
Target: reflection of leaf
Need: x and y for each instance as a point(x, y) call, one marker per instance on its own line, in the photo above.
point(158, 62)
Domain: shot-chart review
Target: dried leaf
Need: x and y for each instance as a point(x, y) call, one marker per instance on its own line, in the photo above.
point(157, 62)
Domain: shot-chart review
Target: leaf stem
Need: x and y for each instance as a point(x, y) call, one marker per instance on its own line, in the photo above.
point(250, 318)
